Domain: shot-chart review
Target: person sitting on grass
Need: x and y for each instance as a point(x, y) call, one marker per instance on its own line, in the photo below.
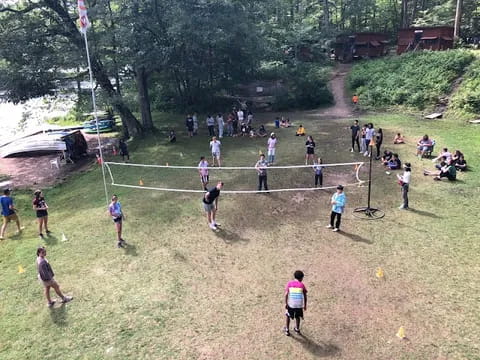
point(283, 122)
point(443, 154)
point(288, 123)
point(387, 156)
point(300, 131)
point(423, 145)
point(261, 131)
point(394, 163)
point(398, 139)
point(443, 161)
point(448, 171)
point(461, 164)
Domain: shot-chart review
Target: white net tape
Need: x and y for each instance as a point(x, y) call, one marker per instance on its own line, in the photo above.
point(302, 173)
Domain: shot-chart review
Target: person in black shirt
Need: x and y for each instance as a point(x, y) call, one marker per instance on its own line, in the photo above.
point(210, 204)
point(41, 207)
point(189, 124)
point(378, 142)
point(355, 135)
point(310, 144)
point(123, 150)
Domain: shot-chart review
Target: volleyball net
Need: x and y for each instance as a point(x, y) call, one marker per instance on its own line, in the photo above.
point(238, 179)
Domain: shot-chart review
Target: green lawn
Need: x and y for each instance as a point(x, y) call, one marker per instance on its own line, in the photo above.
point(181, 291)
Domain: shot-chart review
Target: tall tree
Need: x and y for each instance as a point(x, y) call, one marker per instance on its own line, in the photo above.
point(458, 19)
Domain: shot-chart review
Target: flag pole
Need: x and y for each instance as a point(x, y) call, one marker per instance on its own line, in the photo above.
point(96, 116)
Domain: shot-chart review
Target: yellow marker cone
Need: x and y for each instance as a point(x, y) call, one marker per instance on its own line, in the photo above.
point(141, 182)
point(401, 333)
point(21, 270)
point(380, 273)
point(64, 238)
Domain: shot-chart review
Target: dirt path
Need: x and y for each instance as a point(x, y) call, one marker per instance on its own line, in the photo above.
point(342, 108)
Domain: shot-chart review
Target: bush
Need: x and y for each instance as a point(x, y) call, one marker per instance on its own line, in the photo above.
point(467, 98)
point(414, 79)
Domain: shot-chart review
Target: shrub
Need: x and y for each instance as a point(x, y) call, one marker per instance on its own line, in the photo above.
point(414, 79)
point(467, 98)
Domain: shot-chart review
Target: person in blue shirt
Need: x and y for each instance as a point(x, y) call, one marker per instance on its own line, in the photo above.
point(338, 202)
point(8, 213)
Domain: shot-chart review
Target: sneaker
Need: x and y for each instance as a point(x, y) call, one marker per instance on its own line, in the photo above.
point(19, 231)
point(336, 230)
point(123, 242)
point(286, 331)
point(51, 303)
point(41, 235)
point(119, 244)
point(213, 227)
point(48, 232)
point(387, 172)
point(1, 238)
point(329, 226)
point(216, 224)
point(67, 299)
point(365, 153)
point(351, 150)
point(297, 330)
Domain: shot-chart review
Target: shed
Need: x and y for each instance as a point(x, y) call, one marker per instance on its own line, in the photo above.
point(425, 38)
point(360, 45)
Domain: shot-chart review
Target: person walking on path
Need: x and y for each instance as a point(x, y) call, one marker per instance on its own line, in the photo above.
point(210, 204)
point(355, 128)
point(9, 213)
point(215, 148)
point(338, 202)
point(115, 210)
point(295, 301)
point(46, 277)
point(211, 125)
point(189, 124)
point(220, 124)
point(272, 143)
point(318, 170)
point(310, 144)
point(261, 167)
point(41, 209)
point(203, 171)
point(404, 181)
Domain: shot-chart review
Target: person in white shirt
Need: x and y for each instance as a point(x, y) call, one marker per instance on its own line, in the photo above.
point(203, 171)
point(404, 181)
point(240, 116)
point(220, 124)
point(272, 143)
point(215, 148)
point(444, 152)
point(369, 135)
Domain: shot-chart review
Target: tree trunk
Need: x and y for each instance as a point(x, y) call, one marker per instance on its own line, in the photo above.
point(143, 98)
point(404, 15)
point(326, 16)
point(129, 121)
point(458, 19)
point(414, 11)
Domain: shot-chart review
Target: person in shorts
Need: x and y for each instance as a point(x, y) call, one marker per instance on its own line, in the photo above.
point(115, 210)
point(310, 154)
point(215, 148)
point(8, 213)
point(210, 204)
point(295, 301)
point(46, 277)
point(41, 209)
point(203, 172)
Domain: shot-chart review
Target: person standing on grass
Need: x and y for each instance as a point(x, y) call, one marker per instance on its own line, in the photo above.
point(261, 167)
point(230, 119)
point(41, 207)
point(369, 135)
point(115, 210)
point(8, 213)
point(203, 171)
point(272, 143)
point(46, 277)
point(189, 124)
point(338, 202)
point(355, 100)
point(220, 124)
point(404, 181)
point(295, 302)
point(210, 204)
point(318, 170)
point(378, 142)
point(211, 125)
point(355, 135)
point(195, 123)
point(215, 148)
point(123, 150)
point(363, 132)
point(310, 144)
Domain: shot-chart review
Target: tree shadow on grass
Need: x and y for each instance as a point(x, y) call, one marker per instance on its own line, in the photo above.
point(59, 315)
point(229, 237)
point(425, 213)
point(317, 349)
point(356, 238)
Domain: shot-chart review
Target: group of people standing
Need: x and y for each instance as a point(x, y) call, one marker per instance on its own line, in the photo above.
point(237, 122)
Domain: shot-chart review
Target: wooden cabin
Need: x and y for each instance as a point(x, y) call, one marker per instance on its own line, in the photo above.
point(425, 38)
point(360, 45)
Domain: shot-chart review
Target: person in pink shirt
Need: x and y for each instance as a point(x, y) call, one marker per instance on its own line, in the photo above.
point(295, 301)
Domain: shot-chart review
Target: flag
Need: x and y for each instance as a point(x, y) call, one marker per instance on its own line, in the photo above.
point(82, 16)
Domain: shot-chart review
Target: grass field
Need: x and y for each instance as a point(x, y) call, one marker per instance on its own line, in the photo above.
point(181, 291)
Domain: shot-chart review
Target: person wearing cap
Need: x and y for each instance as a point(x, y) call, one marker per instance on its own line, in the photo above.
point(338, 202)
point(41, 209)
point(46, 277)
point(272, 143)
point(404, 181)
point(8, 213)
